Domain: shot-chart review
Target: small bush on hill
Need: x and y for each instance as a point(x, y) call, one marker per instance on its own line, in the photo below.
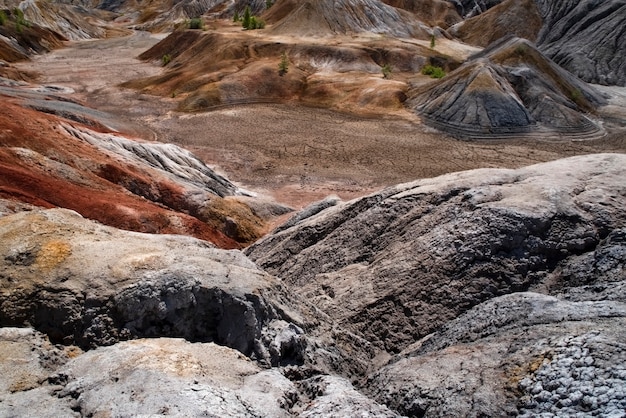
point(250, 22)
point(166, 59)
point(3, 17)
point(283, 65)
point(386, 69)
point(196, 23)
point(433, 72)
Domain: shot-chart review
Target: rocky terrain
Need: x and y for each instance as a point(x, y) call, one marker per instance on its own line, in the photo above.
point(584, 37)
point(463, 255)
point(458, 293)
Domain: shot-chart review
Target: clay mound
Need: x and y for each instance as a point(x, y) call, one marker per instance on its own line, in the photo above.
point(520, 18)
point(509, 89)
point(432, 12)
point(156, 188)
point(329, 18)
point(584, 37)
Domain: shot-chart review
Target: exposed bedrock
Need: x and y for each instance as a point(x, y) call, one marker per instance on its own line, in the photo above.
point(394, 266)
point(87, 284)
point(587, 38)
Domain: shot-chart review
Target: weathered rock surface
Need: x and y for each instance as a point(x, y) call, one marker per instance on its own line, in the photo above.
point(432, 12)
point(396, 265)
point(327, 18)
point(87, 284)
point(510, 88)
point(584, 37)
point(162, 376)
point(523, 354)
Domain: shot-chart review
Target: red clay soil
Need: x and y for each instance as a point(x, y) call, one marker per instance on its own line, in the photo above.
point(60, 172)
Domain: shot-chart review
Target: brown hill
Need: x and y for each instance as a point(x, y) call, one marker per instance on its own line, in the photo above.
point(328, 18)
point(432, 12)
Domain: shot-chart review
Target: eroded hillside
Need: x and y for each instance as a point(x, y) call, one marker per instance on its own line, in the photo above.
point(459, 245)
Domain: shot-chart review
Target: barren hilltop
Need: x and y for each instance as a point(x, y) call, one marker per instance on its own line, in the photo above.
point(372, 208)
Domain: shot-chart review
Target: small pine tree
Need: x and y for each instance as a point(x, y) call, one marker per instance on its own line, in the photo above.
point(3, 17)
point(236, 17)
point(247, 17)
point(283, 65)
point(432, 41)
point(386, 69)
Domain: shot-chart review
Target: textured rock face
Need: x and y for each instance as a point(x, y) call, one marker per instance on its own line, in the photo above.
point(134, 285)
point(584, 37)
point(162, 376)
point(510, 88)
point(525, 354)
point(394, 266)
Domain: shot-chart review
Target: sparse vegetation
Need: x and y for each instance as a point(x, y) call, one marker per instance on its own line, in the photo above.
point(196, 23)
point(386, 69)
point(166, 59)
point(247, 16)
point(3, 17)
point(250, 22)
point(521, 50)
point(20, 21)
point(433, 72)
point(236, 17)
point(283, 65)
point(432, 41)
point(268, 4)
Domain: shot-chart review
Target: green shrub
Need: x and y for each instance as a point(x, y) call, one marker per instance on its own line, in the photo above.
point(250, 22)
point(236, 17)
point(247, 16)
point(386, 69)
point(434, 72)
point(283, 65)
point(166, 59)
point(432, 41)
point(3, 17)
point(268, 4)
point(196, 23)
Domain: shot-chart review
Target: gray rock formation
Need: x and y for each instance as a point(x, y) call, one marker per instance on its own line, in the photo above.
point(584, 37)
point(587, 38)
point(509, 89)
point(136, 285)
point(162, 376)
point(394, 266)
point(523, 354)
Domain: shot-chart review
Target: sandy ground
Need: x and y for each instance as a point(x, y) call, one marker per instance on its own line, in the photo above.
point(295, 154)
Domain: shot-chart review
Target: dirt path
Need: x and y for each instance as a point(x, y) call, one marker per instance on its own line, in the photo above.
point(295, 154)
